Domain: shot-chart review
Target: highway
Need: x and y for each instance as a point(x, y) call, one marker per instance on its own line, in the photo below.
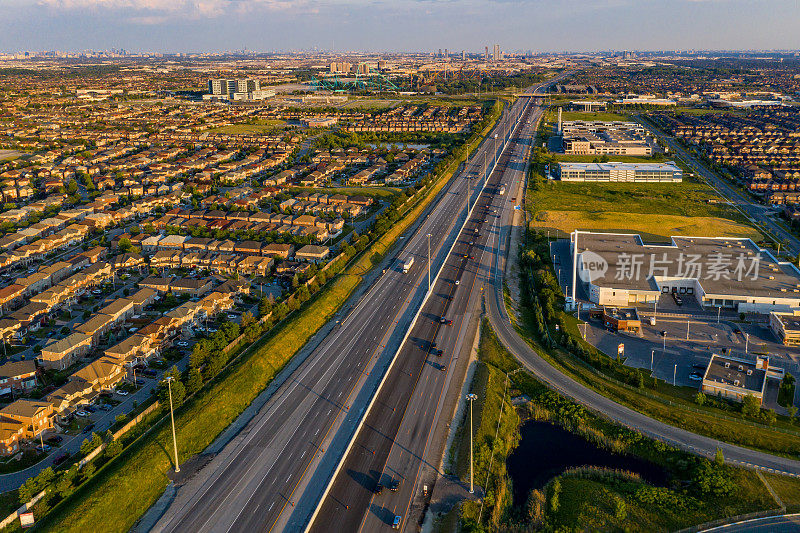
point(753, 211)
point(254, 482)
point(771, 524)
point(398, 444)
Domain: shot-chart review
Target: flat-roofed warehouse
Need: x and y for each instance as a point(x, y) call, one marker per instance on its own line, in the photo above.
point(667, 172)
point(621, 270)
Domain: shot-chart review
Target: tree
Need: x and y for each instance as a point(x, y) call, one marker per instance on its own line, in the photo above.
point(178, 390)
point(751, 406)
point(719, 459)
point(72, 187)
point(125, 245)
point(194, 381)
point(700, 398)
point(792, 412)
point(114, 448)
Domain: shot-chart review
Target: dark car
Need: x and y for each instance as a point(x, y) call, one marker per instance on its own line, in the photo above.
point(149, 372)
point(737, 330)
point(54, 439)
point(437, 352)
point(394, 485)
point(89, 408)
point(88, 427)
point(699, 366)
point(60, 458)
point(445, 321)
point(678, 299)
point(378, 488)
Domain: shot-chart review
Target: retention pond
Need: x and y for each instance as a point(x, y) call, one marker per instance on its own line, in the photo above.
point(546, 450)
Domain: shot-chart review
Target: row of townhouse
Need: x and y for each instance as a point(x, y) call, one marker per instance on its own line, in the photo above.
point(245, 262)
point(406, 171)
point(26, 419)
point(444, 126)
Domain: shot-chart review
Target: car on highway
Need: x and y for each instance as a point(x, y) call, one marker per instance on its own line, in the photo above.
point(437, 352)
point(458, 282)
point(394, 485)
point(696, 376)
point(396, 522)
point(378, 489)
point(60, 458)
point(445, 321)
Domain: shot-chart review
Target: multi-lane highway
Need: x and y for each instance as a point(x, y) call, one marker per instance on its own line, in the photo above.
point(397, 447)
point(255, 481)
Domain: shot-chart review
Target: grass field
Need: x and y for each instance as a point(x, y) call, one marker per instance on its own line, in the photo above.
point(787, 489)
point(652, 227)
point(616, 158)
point(591, 115)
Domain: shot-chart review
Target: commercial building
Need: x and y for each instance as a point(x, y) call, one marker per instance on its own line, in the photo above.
point(621, 270)
point(667, 172)
point(733, 378)
point(786, 326)
point(618, 318)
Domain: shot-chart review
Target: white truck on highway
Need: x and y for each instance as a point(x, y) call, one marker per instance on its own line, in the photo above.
point(502, 190)
point(407, 264)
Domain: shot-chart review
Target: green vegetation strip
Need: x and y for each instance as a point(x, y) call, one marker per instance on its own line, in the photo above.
point(125, 488)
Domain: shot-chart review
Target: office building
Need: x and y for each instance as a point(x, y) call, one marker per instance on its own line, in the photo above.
point(667, 172)
point(604, 138)
point(734, 378)
point(621, 270)
point(498, 55)
point(486, 54)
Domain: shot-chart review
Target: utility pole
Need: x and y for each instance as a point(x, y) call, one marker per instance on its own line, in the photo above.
point(429, 262)
point(172, 418)
point(471, 398)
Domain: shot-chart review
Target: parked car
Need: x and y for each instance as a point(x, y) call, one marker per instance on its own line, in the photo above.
point(149, 372)
point(88, 427)
point(699, 366)
point(45, 448)
point(123, 392)
point(678, 299)
point(54, 439)
point(81, 413)
point(182, 344)
point(696, 376)
point(89, 408)
point(737, 330)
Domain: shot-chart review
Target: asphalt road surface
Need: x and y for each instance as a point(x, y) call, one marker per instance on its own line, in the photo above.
point(772, 524)
point(250, 485)
point(393, 446)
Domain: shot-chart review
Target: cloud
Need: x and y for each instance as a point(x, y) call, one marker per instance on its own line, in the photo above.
point(158, 11)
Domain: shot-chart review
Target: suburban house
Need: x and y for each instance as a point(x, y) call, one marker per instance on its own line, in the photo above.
point(59, 354)
point(17, 375)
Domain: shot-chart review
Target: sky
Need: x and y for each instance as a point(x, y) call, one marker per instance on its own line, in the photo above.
point(397, 25)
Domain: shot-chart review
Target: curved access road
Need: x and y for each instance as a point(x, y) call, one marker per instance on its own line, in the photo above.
point(593, 400)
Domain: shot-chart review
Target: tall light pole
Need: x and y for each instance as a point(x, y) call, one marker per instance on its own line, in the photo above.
point(172, 418)
point(495, 149)
point(674, 373)
point(471, 398)
point(429, 262)
point(651, 359)
point(746, 341)
point(687, 330)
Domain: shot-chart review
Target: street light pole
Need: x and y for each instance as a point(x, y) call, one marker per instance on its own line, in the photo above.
point(471, 398)
point(172, 418)
point(687, 330)
point(674, 373)
point(651, 359)
point(719, 310)
point(746, 341)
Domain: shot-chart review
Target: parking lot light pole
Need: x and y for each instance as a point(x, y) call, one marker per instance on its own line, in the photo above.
point(687, 330)
point(664, 349)
point(651, 359)
point(746, 341)
point(674, 373)
point(172, 418)
point(471, 398)
point(719, 311)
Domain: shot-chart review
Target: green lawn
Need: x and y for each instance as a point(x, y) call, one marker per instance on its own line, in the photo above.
point(787, 489)
point(592, 115)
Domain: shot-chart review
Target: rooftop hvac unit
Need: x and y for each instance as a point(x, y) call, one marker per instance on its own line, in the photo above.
point(783, 289)
point(772, 277)
point(736, 382)
point(749, 372)
point(741, 368)
point(727, 364)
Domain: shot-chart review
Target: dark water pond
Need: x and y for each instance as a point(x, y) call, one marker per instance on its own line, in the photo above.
point(545, 450)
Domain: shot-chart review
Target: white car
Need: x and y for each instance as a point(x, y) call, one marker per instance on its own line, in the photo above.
point(81, 413)
point(458, 282)
point(182, 344)
point(123, 392)
point(231, 317)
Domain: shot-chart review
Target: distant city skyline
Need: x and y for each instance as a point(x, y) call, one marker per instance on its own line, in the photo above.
point(401, 25)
